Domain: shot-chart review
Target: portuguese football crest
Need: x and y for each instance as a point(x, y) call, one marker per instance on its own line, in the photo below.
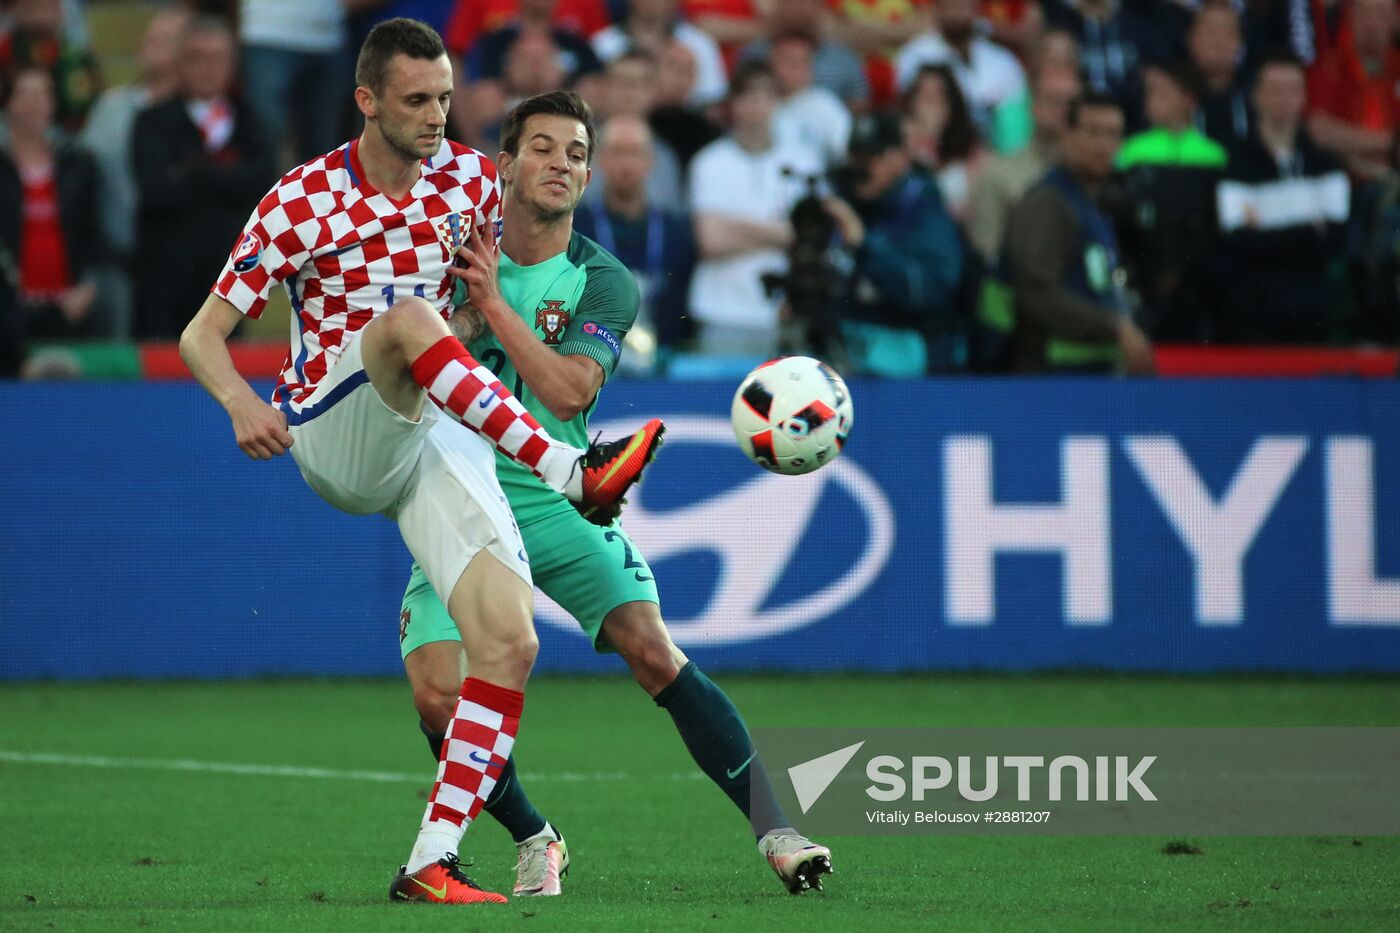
point(551, 318)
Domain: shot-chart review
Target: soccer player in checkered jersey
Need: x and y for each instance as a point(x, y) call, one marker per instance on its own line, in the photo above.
point(363, 239)
point(554, 310)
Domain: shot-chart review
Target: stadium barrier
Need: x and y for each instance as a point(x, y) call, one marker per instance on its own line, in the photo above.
point(1002, 524)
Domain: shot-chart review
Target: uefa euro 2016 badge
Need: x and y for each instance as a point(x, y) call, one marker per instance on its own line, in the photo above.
point(551, 319)
point(247, 253)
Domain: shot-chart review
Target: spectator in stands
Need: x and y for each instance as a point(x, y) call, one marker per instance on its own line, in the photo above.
point(297, 71)
point(674, 120)
point(941, 136)
point(807, 115)
point(486, 59)
point(1115, 40)
point(1170, 172)
point(651, 25)
point(108, 136)
point(528, 54)
point(1354, 91)
point(742, 190)
point(533, 65)
point(835, 66)
point(990, 77)
point(201, 158)
point(472, 19)
point(629, 90)
point(1005, 179)
point(1282, 206)
point(652, 238)
point(903, 316)
point(1217, 55)
point(39, 38)
point(1069, 296)
point(50, 235)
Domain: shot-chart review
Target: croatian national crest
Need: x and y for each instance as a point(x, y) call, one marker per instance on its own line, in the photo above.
point(453, 233)
point(551, 318)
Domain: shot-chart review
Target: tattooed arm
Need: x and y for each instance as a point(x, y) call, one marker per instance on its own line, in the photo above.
point(467, 323)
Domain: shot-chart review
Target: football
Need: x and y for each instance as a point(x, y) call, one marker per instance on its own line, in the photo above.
point(792, 415)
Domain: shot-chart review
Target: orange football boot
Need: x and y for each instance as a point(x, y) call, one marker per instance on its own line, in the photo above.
point(441, 883)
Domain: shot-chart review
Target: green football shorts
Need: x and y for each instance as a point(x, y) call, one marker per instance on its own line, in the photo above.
point(586, 569)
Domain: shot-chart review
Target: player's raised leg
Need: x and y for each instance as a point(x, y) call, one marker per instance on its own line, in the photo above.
point(715, 735)
point(410, 350)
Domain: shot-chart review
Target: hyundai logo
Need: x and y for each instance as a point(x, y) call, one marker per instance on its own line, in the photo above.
point(751, 564)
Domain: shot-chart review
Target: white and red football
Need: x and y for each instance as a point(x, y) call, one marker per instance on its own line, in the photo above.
point(792, 415)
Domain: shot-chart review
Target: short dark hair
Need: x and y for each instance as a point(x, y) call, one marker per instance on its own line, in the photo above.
point(1182, 74)
point(1278, 58)
point(1090, 99)
point(747, 74)
point(560, 103)
point(399, 36)
point(636, 55)
point(794, 35)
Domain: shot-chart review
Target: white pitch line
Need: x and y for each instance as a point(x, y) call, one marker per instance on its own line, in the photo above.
point(381, 777)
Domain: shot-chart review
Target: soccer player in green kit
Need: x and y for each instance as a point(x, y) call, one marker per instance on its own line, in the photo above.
point(553, 311)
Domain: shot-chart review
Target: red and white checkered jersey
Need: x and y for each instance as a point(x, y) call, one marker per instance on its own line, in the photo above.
point(346, 252)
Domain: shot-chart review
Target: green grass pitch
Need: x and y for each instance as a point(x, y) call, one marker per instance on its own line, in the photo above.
point(113, 845)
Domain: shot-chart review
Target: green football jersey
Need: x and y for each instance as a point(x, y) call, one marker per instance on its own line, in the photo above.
point(581, 301)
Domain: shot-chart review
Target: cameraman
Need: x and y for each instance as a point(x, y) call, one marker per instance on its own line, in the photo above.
point(902, 312)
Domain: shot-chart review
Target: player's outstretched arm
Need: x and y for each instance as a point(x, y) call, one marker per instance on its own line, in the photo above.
point(259, 429)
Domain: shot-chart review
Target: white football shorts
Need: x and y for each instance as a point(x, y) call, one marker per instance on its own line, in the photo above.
point(433, 476)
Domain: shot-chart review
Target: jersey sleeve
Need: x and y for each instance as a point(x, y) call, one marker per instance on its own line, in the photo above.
point(605, 313)
point(275, 243)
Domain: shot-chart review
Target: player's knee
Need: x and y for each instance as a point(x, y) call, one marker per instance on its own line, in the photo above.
point(637, 633)
point(408, 316)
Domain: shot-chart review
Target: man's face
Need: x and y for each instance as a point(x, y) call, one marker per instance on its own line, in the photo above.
point(1167, 104)
point(956, 18)
point(625, 155)
point(1372, 22)
point(791, 61)
point(882, 172)
point(1215, 40)
point(1280, 94)
point(1050, 106)
point(532, 66)
point(207, 64)
point(411, 109)
point(160, 46)
point(677, 74)
point(1091, 146)
point(550, 169)
point(753, 109)
point(544, 9)
point(630, 87)
point(31, 103)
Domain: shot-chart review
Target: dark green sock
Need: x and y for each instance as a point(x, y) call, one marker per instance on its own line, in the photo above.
point(507, 802)
point(718, 740)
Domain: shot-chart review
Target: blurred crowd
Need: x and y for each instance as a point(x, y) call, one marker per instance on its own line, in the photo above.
point(900, 186)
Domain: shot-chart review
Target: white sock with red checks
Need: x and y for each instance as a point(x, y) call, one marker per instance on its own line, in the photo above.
point(472, 395)
point(479, 739)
